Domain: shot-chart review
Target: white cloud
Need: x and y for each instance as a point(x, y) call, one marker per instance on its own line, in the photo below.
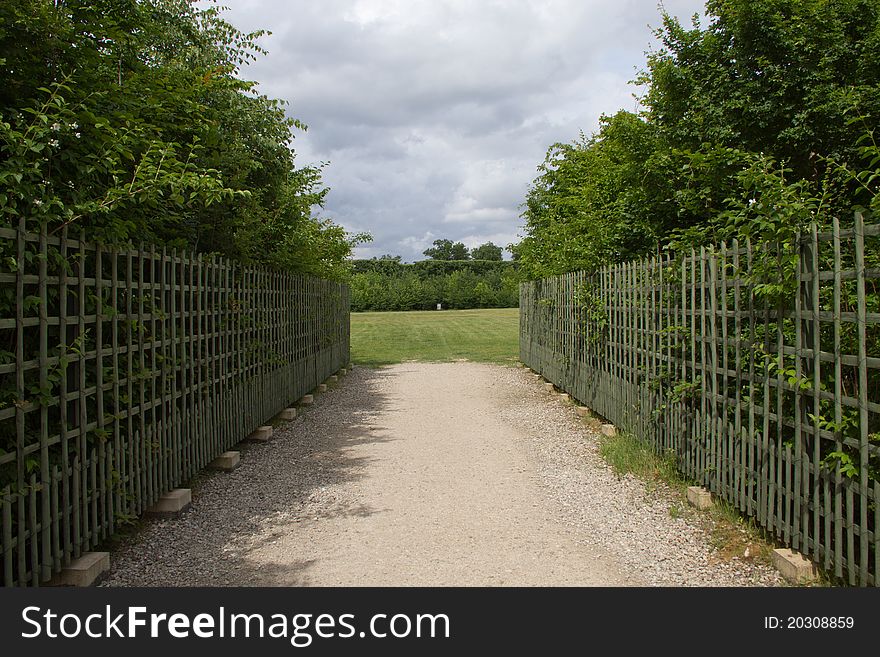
point(434, 114)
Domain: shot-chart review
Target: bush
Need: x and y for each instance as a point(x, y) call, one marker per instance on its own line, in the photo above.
point(381, 285)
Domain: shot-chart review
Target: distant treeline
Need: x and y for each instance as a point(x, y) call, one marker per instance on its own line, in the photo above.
point(387, 284)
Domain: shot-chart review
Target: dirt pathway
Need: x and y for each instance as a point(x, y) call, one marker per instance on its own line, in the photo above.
point(419, 474)
point(448, 497)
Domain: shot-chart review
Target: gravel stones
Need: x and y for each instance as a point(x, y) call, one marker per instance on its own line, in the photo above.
point(300, 501)
point(621, 514)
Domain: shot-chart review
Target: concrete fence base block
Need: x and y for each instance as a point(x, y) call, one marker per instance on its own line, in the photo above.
point(549, 387)
point(582, 411)
point(609, 430)
point(332, 379)
point(88, 570)
point(793, 566)
point(306, 400)
point(322, 387)
point(343, 372)
point(287, 414)
point(261, 434)
point(226, 462)
point(172, 504)
point(699, 497)
point(564, 396)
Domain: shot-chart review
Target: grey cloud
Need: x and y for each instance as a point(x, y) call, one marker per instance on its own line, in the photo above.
point(435, 114)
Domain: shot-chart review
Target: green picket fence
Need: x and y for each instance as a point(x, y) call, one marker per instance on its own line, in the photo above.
point(757, 367)
point(124, 372)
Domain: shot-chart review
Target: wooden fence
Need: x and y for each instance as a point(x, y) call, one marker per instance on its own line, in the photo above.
point(758, 368)
point(124, 372)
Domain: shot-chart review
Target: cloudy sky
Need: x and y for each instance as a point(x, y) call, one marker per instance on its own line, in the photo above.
point(435, 114)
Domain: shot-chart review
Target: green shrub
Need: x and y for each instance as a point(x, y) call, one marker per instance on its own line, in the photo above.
point(380, 285)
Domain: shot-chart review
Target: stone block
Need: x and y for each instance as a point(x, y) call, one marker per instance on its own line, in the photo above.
point(582, 411)
point(88, 570)
point(332, 379)
point(699, 497)
point(549, 387)
point(564, 396)
point(609, 430)
point(793, 566)
point(226, 462)
point(261, 434)
point(287, 414)
point(322, 387)
point(172, 504)
point(343, 372)
point(306, 400)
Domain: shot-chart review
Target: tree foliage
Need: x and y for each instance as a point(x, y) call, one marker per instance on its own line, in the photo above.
point(127, 119)
point(487, 251)
point(587, 205)
point(768, 76)
point(753, 125)
point(444, 249)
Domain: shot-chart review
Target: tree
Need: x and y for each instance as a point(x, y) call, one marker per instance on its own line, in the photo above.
point(787, 87)
point(460, 252)
point(447, 250)
point(442, 250)
point(127, 120)
point(589, 203)
point(757, 123)
point(768, 77)
point(487, 251)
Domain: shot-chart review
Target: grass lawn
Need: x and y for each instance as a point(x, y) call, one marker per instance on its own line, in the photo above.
point(486, 335)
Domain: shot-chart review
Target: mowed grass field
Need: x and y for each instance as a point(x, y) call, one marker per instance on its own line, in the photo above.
point(487, 335)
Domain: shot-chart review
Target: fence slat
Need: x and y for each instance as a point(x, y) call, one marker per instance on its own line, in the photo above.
point(67, 500)
point(864, 437)
point(45, 470)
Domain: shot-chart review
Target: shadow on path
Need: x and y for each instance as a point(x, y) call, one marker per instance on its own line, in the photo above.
point(278, 483)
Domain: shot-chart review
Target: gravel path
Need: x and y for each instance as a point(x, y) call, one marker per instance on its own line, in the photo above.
point(431, 475)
